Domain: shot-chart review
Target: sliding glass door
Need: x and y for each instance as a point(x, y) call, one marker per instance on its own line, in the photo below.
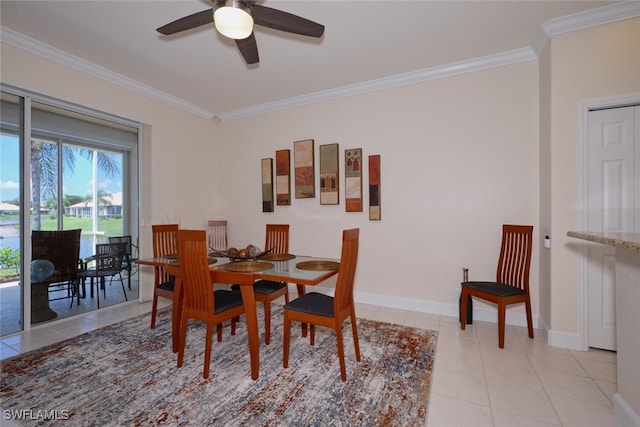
point(11, 216)
point(82, 174)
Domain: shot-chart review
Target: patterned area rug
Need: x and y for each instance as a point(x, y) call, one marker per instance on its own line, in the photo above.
point(126, 374)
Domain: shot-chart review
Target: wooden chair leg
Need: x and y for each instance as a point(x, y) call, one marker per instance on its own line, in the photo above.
point(233, 325)
point(463, 309)
point(182, 341)
point(285, 341)
point(267, 322)
point(312, 334)
point(501, 318)
point(219, 332)
point(301, 291)
point(527, 306)
point(343, 369)
point(354, 329)
point(154, 309)
point(207, 349)
point(286, 293)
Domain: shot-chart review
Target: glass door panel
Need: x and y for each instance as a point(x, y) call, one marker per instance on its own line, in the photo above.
point(11, 290)
point(73, 170)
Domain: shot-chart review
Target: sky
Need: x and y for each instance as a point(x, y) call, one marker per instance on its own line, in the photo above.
point(79, 185)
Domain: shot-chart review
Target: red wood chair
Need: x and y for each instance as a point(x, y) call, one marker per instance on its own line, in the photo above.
point(277, 241)
point(512, 278)
point(323, 310)
point(164, 243)
point(201, 302)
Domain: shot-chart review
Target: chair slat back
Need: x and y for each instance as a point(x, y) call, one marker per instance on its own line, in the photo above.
point(165, 243)
point(217, 235)
point(515, 256)
point(196, 279)
point(277, 238)
point(343, 297)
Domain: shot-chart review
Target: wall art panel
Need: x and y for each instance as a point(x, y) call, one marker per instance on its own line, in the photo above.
point(303, 158)
point(374, 188)
point(267, 185)
point(329, 173)
point(353, 179)
point(283, 177)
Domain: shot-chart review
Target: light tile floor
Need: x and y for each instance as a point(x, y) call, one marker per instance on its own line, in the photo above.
point(528, 383)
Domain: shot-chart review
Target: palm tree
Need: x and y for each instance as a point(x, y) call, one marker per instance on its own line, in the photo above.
point(44, 170)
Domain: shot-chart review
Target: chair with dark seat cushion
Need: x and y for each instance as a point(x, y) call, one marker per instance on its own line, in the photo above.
point(276, 242)
point(165, 243)
point(201, 301)
point(512, 279)
point(324, 310)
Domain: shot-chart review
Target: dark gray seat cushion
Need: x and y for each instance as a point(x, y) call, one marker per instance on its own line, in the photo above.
point(167, 286)
point(313, 303)
point(226, 300)
point(265, 287)
point(495, 288)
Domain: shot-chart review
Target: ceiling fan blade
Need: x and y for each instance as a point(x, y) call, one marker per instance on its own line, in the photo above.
point(188, 22)
point(285, 21)
point(249, 49)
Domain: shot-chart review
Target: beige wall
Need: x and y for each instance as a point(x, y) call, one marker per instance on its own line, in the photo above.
point(181, 145)
point(598, 63)
point(460, 156)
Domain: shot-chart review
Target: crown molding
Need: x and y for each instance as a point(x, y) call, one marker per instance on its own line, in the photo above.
point(54, 54)
point(603, 15)
point(578, 21)
point(453, 69)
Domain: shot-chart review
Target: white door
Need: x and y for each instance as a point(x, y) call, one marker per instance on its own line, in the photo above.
point(613, 186)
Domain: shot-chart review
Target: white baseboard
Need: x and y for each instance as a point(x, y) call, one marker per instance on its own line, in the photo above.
point(622, 412)
point(565, 340)
point(440, 308)
point(571, 341)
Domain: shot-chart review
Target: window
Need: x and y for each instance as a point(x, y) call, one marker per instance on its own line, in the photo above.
point(82, 173)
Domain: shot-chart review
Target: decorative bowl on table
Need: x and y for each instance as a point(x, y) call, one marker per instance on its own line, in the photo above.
point(249, 253)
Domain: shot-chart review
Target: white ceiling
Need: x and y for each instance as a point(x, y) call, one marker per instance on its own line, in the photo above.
point(364, 40)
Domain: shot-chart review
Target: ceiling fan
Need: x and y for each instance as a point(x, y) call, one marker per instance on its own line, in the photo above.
point(236, 21)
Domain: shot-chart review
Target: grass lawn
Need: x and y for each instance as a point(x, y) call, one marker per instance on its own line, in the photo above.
point(110, 227)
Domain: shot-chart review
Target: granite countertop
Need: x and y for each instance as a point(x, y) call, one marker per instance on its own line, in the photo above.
point(630, 241)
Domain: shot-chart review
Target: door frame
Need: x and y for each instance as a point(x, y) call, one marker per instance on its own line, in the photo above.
point(584, 108)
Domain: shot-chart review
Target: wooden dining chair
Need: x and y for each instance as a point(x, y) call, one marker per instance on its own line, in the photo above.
point(512, 278)
point(323, 310)
point(217, 235)
point(201, 302)
point(276, 242)
point(164, 243)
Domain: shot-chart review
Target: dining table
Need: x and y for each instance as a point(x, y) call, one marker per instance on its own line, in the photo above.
point(221, 270)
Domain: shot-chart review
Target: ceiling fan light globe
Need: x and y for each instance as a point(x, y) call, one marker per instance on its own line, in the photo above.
point(233, 22)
